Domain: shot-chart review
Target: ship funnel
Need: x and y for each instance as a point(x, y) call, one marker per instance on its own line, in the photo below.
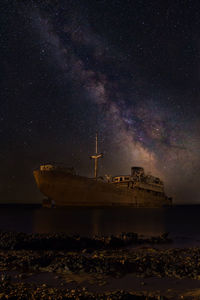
point(137, 171)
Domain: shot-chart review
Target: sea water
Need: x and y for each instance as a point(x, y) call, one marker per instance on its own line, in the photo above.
point(182, 222)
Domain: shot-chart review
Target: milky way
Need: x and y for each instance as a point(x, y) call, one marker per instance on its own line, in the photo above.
point(139, 92)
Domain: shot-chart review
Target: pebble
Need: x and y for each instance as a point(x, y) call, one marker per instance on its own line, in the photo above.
point(102, 256)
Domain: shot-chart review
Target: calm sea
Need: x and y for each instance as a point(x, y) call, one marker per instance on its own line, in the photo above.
point(182, 222)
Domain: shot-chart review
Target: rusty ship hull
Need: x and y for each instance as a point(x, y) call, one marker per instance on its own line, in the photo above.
point(73, 190)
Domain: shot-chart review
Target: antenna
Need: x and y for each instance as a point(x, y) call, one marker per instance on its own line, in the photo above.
point(150, 158)
point(96, 157)
point(96, 142)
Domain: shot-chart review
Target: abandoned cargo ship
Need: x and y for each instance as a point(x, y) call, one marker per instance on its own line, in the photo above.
point(62, 187)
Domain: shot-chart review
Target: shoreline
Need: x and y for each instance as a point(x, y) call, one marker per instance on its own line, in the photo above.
point(96, 268)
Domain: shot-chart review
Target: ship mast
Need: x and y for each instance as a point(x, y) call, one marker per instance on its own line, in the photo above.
point(96, 157)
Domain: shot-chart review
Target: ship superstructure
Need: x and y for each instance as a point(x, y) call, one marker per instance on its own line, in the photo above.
point(139, 180)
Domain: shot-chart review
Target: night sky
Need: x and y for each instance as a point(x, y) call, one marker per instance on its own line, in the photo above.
point(127, 69)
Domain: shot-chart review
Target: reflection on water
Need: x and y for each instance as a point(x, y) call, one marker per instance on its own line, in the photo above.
point(99, 221)
point(179, 221)
point(83, 221)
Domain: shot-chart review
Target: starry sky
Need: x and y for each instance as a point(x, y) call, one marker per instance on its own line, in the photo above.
point(128, 69)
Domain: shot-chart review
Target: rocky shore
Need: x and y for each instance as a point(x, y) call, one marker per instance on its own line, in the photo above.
point(61, 241)
point(22, 291)
point(56, 266)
